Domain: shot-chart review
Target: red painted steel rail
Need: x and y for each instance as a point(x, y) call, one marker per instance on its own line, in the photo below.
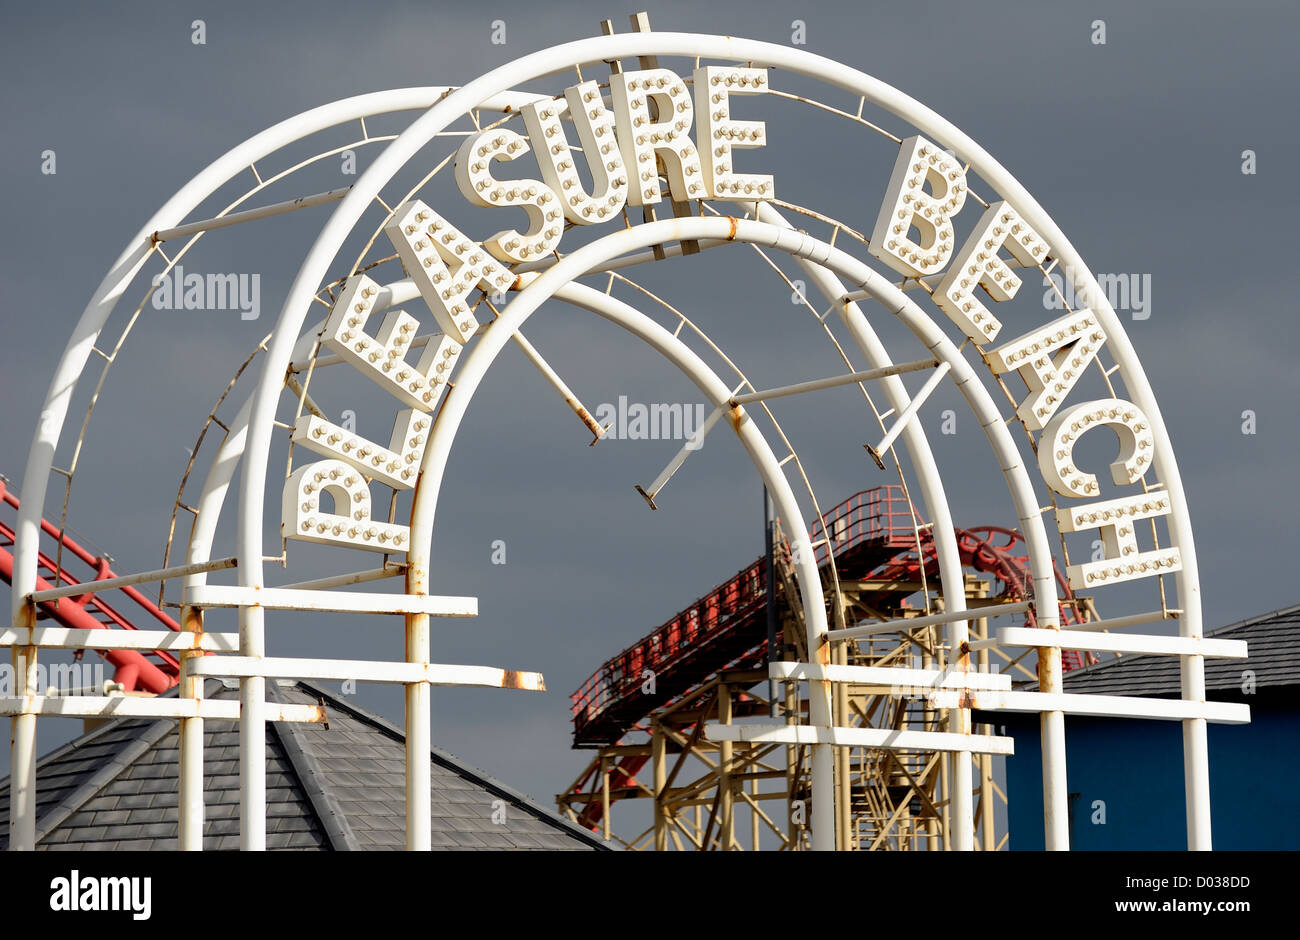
point(872, 536)
point(144, 672)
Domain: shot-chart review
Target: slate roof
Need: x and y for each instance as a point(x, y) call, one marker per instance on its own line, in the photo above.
point(1272, 642)
point(340, 788)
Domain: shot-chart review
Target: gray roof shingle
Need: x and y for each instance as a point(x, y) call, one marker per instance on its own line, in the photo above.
point(339, 787)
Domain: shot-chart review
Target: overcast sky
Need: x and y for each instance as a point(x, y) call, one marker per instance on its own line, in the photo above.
point(1135, 146)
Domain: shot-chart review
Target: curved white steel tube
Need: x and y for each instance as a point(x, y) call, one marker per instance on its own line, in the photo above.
point(562, 57)
point(217, 482)
point(935, 501)
point(40, 458)
point(479, 358)
point(475, 95)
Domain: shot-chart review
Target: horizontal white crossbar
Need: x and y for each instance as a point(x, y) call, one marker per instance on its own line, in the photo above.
point(818, 384)
point(362, 670)
point(229, 595)
point(1116, 643)
point(1101, 706)
point(891, 676)
point(67, 639)
point(880, 738)
point(931, 620)
point(145, 706)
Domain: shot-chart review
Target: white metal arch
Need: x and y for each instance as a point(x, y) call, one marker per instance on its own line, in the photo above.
point(478, 360)
point(439, 116)
point(232, 450)
point(606, 48)
point(77, 352)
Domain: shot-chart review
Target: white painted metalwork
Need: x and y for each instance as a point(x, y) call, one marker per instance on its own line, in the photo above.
point(248, 445)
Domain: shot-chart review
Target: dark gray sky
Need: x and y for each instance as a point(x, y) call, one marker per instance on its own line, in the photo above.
point(1134, 146)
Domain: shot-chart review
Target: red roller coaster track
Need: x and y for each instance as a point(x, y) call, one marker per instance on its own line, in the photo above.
point(873, 538)
point(152, 672)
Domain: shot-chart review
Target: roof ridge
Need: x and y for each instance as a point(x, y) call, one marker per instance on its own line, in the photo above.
point(312, 778)
point(1251, 621)
point(454, 763)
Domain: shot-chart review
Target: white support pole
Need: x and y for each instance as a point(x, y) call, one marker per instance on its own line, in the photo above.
point(419, 697)
point(929, 620)
point(22, 753)
point(252, 733)
point(343, 580)
point(570, 397)
point(419, 741)
point(933, 497)
point(190, 798)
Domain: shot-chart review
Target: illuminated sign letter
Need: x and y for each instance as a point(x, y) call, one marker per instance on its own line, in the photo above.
point(396, 465)
point(382, 358)
point(1056, 445)
point(667, 136)
point(1050, 360)
point(474, 177)
point(599, 140)
point(978, 265)
point(445, 264)
point(349, 523)
point(1124, 561)
point(908, 205)
point(720, 135)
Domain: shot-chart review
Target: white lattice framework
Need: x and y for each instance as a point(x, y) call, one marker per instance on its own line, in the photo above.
point(294, 353)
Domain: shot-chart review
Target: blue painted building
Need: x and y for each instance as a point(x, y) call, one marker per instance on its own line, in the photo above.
point(1126, 775)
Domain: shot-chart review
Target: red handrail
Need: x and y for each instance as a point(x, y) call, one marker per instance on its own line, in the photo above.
point(89, 611)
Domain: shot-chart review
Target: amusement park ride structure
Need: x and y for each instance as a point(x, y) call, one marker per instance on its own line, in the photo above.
point(863, 762)
point(713, 662)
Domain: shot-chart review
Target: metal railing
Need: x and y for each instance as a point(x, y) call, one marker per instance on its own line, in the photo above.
point(880, 515)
